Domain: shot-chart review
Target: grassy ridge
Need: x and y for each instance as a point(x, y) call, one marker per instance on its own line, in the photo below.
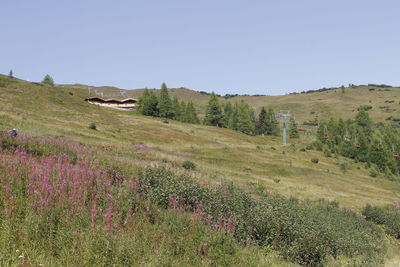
point(385, 102)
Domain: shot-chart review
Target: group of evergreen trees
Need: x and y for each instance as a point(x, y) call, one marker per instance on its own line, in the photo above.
point(240, 117)
point(362, 140)
point(166, 107)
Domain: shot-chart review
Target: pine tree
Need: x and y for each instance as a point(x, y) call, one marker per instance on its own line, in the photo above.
point(213, 112)
point(48, 80)
point(245, 121)
point(191, 116)
point(233, 117)
point(143, 103)
point(293, 130)
point(153, 104)
point(261, 124)
point(364, 121)
point(10, 74)
point(272, 124)
point(378, 155)
point(148, 103)
point(227, 114)
point(183, 116)
point(175, 108)
point(164, 103)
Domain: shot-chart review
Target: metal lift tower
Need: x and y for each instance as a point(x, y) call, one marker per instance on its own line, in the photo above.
point(284, 114)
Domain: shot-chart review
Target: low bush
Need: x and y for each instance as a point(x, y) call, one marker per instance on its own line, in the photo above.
point(315, 160)
point(374, 171)
point(92, 126)
point(189, 165)
point(389, 217)
point(344, 166)
point(327, 151)
point(364, 107)
point(305, 232)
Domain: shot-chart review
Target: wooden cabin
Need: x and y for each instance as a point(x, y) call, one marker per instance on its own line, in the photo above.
point(124, 104)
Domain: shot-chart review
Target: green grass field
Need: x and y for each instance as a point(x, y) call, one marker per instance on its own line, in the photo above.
point(221, 155)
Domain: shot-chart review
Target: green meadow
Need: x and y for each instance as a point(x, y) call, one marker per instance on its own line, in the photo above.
point(256, 164)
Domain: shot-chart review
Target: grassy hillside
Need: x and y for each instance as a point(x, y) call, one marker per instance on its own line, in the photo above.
point(221, 155)
point(385, 102)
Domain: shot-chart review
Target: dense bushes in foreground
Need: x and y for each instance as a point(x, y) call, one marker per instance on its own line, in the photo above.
point(60, 209)
point(389, 217)
point(308, 233)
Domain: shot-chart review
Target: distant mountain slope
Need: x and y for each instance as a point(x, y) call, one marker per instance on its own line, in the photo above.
point(384, 102)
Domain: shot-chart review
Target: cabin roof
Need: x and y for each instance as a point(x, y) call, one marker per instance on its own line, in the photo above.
point(110, 100)
point(128, 99)
point(94, 98)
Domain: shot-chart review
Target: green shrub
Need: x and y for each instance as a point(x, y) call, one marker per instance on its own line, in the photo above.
point(327, 151)
point(344, 166)
point(314, 160)
point(292, 147)
point(389, 217)
point(305, 232)
point(374, 171)
point(364, 107)
point(189, 165)
point(92, 126)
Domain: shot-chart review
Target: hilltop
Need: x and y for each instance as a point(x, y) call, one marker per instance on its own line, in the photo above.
point(383, 102)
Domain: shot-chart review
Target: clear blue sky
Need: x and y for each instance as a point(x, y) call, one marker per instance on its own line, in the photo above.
point(226, 46)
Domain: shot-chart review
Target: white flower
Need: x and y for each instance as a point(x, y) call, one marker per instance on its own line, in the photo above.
point(21, 256)
point(17, 250)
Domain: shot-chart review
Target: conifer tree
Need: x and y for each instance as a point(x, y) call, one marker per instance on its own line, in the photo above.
point(143, 103)
point(48, 80)
point(245, 121)
point(378, 155)
point(233, 117)
point(164, 103)
point(175, 108)
point(293, 130)
point(213, 112)
point(190, 112)
point(364, 121)
point(10, 74)
point(148, 103)
point(183, 116)
point(227, 114)
point(272, 125)
point(261, 123)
